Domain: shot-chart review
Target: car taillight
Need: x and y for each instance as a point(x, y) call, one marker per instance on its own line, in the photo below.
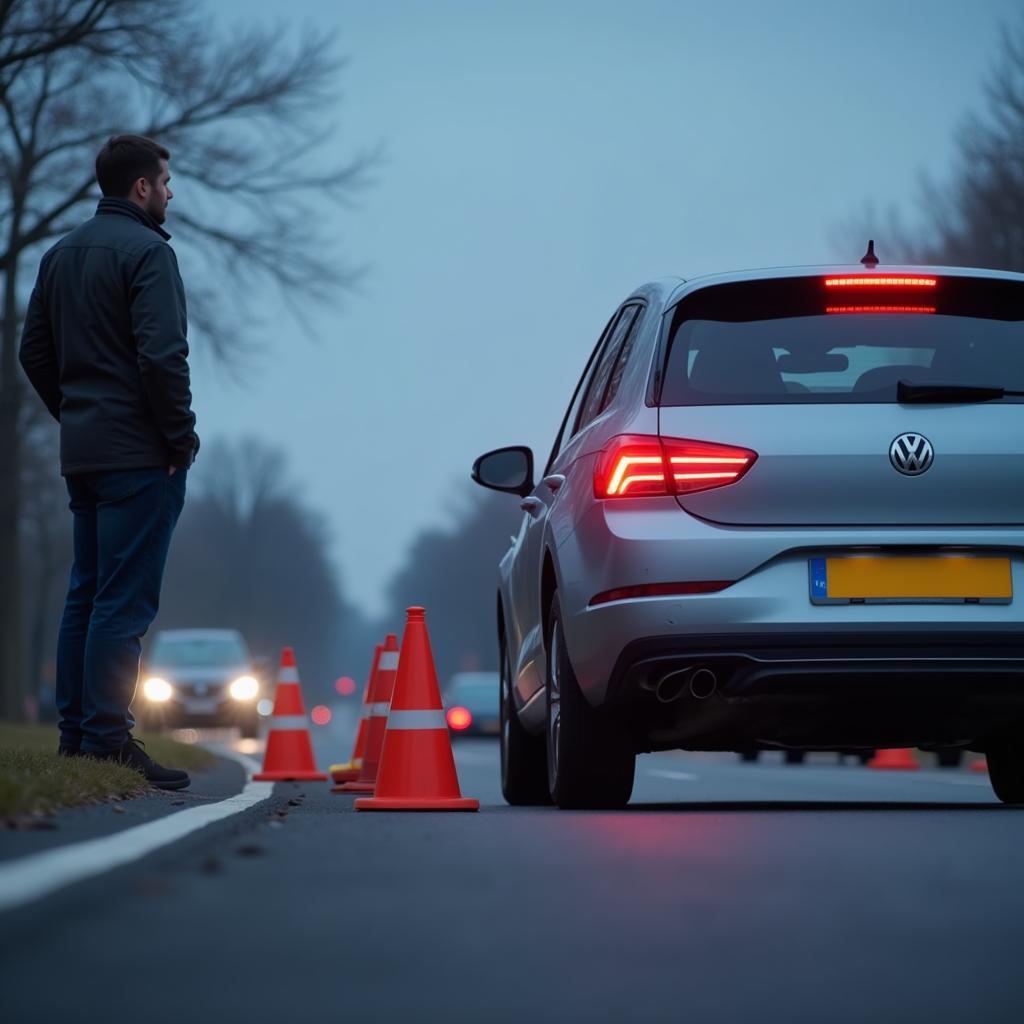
point(638, 466)
point(459, 718)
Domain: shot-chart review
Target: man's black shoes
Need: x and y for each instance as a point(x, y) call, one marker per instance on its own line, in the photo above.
point(131, 755)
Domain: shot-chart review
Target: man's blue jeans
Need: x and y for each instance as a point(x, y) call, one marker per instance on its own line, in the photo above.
point(123, 521)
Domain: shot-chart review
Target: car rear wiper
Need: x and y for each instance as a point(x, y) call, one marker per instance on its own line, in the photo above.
point(907, 392)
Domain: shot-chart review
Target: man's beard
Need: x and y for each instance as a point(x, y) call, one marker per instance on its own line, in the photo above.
point(158, 213)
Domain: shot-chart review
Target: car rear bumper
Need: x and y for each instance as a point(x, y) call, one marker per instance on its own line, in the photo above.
point(822, 690)
point(760, 664)
point(774, 601)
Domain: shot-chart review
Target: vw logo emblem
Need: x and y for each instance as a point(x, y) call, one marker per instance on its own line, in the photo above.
point(911, 454)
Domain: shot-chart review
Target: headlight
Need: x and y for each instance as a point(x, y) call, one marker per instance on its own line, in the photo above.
point(244, 688)
point(157, 690)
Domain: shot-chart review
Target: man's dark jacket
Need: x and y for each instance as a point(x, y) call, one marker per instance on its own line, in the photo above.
point(104, 344)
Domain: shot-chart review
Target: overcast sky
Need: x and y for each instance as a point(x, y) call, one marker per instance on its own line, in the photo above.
point(542, 159)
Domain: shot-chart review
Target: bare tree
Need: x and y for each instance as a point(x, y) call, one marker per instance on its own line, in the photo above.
point(31, 29)
point(975, 215)
point(242, 115)
point(47, 538)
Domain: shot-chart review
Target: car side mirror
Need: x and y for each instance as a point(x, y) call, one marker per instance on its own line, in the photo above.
point(506, 469)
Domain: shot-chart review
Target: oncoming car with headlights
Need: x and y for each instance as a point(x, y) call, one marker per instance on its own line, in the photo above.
point(784, 510)
point(201, 677)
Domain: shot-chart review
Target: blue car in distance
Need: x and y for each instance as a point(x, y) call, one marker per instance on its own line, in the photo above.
point(471, 704)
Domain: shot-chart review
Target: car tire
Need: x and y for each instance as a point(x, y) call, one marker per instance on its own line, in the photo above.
point(1006, 771)
point(524, 769)
point(795, 756)
point(590, 756)
point(749, 755)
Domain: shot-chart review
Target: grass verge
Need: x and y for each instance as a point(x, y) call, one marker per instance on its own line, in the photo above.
point(34, 780)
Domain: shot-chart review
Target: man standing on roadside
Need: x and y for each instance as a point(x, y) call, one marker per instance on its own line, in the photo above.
point(104, 346)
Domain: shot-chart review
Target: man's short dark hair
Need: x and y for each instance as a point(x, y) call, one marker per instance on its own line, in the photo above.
point(126, 158)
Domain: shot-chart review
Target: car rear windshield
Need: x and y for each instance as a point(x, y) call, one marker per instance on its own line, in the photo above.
point(796, 340)
point(199, 652)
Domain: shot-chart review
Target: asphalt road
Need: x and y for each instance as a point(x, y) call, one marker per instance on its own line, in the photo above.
point(725, 892)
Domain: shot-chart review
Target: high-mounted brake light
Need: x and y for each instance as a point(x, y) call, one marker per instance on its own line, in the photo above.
point(638, 466)
point(879, 309)
point(888, 281)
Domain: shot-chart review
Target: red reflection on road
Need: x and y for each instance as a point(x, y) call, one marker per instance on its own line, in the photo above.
point(662, 834)
point(321, 714)
point(346, 686)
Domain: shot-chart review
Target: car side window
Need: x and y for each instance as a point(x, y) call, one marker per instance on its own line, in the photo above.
point(594, 403)
point(565, 434)
point(621, 361)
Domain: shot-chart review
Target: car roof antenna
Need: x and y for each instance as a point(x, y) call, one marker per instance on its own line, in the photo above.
point(869, 259)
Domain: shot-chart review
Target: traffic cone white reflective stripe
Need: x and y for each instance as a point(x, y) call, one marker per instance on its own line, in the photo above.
point(282, 722)
point(417, 720)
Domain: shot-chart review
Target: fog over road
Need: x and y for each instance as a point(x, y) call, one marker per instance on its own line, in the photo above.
point(725, 891)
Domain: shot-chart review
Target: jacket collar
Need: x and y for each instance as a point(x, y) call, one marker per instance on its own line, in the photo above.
point(126, 208)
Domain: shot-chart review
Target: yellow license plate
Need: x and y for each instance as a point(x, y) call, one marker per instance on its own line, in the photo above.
point(911, 578)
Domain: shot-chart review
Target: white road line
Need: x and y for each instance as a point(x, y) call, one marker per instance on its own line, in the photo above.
point(664, 773)
point(31, 878)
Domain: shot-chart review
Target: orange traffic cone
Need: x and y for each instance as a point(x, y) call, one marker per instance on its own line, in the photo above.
point(417, 770)
point(349, 771)
point(382, 685)
point(899, 760)
point(289, 752)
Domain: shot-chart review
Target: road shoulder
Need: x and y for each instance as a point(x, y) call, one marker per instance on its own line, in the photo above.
point(32, 834)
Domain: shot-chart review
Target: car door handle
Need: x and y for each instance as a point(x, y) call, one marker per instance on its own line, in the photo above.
point(531, 505)
point(553, 482)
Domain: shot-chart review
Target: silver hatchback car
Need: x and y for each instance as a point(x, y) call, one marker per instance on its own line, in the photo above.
point(785, 509)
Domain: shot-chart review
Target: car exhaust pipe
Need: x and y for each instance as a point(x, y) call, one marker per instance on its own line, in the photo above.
point(672, 686)
point(703, 683)
point(700, 682)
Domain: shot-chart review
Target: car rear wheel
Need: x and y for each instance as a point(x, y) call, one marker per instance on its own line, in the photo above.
point(949, 757)
point(524, 772)
point(1006, 771)
point(591, 760)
